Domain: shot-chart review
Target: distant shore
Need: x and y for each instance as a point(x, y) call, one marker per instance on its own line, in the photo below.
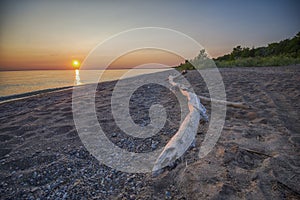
point(42, 156)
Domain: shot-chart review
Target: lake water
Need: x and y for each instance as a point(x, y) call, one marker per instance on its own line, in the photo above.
point(18, 82)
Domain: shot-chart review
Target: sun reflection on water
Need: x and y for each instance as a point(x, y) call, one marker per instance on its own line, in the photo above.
point(77, 77)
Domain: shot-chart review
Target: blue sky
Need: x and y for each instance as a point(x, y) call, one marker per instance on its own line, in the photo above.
point(50, 33)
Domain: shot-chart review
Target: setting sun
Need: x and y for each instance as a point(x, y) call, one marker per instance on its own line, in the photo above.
point(75, 64)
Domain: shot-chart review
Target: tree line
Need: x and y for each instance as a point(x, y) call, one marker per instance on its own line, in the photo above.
point(287, 47)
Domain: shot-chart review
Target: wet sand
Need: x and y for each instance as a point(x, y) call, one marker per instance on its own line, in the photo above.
point(256, 157)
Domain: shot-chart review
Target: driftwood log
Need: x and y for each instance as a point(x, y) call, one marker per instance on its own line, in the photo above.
point(184, 137)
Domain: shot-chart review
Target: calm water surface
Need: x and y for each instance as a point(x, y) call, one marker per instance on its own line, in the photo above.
point(18, 82)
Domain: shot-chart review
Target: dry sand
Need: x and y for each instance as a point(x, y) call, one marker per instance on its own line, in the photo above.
point(256, 157)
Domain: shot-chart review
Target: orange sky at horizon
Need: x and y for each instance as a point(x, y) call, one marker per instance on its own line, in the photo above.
point(141, 57)
point(37, 59)
point(64, 62)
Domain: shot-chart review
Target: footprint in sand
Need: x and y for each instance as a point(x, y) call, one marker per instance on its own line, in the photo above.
point(60, 130)
point(4, 152)
point(4, 138)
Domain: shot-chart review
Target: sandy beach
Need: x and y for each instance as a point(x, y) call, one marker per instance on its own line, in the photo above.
point(256, 157)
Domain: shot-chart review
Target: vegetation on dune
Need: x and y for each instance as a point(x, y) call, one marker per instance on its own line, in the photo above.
point(285, 52)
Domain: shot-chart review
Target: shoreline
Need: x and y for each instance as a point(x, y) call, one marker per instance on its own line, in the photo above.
point(15, 97)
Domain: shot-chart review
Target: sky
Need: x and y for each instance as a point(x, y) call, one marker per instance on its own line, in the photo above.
point(40, 34)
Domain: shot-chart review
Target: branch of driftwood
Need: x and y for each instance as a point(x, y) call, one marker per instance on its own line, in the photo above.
point(228, 103)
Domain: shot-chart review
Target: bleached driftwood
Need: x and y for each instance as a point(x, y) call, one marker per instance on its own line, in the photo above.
point(187, 130)
point(228, 103)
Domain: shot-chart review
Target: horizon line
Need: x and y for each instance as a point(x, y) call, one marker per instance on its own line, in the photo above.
point(1, 70)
